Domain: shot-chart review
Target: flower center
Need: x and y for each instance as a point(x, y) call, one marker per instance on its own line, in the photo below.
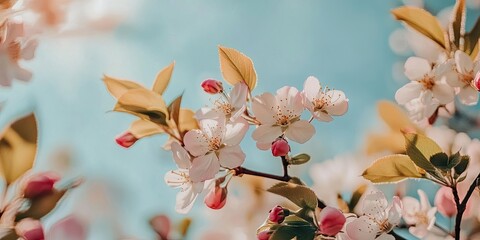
point(384, 225)
point(427, 82)
point(467, 78)
point(422, 218)
point(182, 180)
point(225, 107)
point(215, 144)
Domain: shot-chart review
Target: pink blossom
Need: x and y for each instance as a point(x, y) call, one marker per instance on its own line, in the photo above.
point(30, 229)
point(40, 184)
point(331, 221)
point(445, 202)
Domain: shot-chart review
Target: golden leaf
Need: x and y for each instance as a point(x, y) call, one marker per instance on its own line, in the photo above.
point(423, 22)
point(300, 195)
point(42, 206)
point(174, 110)
point(472, 40)
point(117, 87)
point(390, 169)
point(18, 146)
point(236, 67)
point(394, 116)
point(420, 148)
point(456, 29)
point(163, 78)
point(144, 104)
point(142, 128)
point(187, 120)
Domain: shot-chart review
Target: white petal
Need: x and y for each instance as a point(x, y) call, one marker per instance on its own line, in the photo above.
point(289, 101)
point(238, 95)
point(322, 117)
point(231, 157)
point(235, 132)
point(196, 142)
point(300, 131)
point(185, 200)
point(207, 113)
point(339, 103)
point(452, 79)
point(468, 95)
point(311, 87)
point(180, 155)
point(410, 207)
point(443, 92)
point(375, 205)
point(176, 179)
point(20, 73)
point(362, 228)
point(204, 167)
point(416, 68)
point(264, 145)
point(395, 211)
point(28, 51)
point(423, 200)
point(463, 62)
point(266, 133)
point(213, 128)
point(460, 143)
point(408, 92)
point(263, 107)
point(385, 236)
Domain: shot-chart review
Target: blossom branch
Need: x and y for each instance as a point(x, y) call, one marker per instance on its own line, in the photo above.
point(461, 206)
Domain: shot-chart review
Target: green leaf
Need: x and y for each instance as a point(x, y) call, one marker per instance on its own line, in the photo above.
point(454, 160)
point(299, 159)
point(456, 29)
point(420, 148)
point(390, 169)
point(302, 196)
point(423, 22)
point(288, 232)
point(462, 165)
point(440, 160)
point(471, 40)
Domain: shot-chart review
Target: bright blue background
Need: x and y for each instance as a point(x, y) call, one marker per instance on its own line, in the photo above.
point(343, 43)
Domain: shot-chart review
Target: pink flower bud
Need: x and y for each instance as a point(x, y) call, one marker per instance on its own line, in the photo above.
point(476, 81)
point(39, 184)
point(30, 229)
point(331, 221)
point(278, 214)
point(126, 139)
point(280, 147)
point(445, 202)
point(264, 235)
point(212, 86)
point(216, 198)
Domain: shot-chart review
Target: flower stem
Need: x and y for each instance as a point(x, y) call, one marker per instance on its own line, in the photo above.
point(461, 206)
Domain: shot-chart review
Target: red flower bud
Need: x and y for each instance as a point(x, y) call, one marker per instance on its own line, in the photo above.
point(277, 214)
point(264, 235)
point(39, 184)
point(212, 86)
point(126, 139)
point(331, 221)
point(476, 81)
point(445, 202)
point(216, 198)
point(30, 229)
point(280, 147)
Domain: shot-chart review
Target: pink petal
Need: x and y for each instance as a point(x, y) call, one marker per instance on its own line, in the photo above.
point(339, 104)
point(204, 167)
point(231, 157)
point(266, 133)
point(311, 87)
point(468, 95)
point(362, 228)
point(300, 131)
point(196, 142)
point(235, 132)
point(180, 155)
point(263, 107)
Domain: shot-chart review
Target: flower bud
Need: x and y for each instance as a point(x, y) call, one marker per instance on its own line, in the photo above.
point(331, 221)
point(216, 198)
point(212, 86)
point(264, 235)
point(30, 229)
point(445, 202)
point(476, 81)
point(126, 139)
point(280, 147)
point(278, 214)
point(39, 184)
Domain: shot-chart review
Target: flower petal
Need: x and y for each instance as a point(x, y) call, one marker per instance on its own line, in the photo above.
point(235, 132)
point(311, 88)
point(185, 200)
point(300, 131)
point(238, 95)
point(408, 92)
point(362, 228)
point(180, 155)
point(463, 62)
point(266, 133)
point(204, 167)
point(374, 205)
point(196, 142)
point(176, 178)
point(289, 101)
point(263, 107)
point(231, 157)
point(443, 92)
point(213, 128)
point(339, 103)
point(416, 68)
point(468, 95)
point(321, 116)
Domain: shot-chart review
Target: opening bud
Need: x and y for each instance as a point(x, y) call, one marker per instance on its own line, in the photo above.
point(126, 139)
point(264, 235)
point(216, 198)
point(280, 147)
point(39, 184)
point(278, 214)
point(212, 86)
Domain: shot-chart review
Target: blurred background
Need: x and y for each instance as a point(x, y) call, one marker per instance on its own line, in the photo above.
point(346, 45)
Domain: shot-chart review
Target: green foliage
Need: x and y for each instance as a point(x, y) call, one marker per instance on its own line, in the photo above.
point(300, 195)
point(299, 159)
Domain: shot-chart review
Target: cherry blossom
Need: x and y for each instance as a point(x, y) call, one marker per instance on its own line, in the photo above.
point(215, 145)
point(467, 70)
point(180, 178)
point(280, 114)
point(425, 79)
point(322, 102)
point(230, 106)
point(419, 213)
point(378, 218)
point(420, 109)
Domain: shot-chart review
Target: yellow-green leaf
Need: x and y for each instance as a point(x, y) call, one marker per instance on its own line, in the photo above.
point(143, 128)
point(472, 40)
point(423, 22)
point(18, 146)
point(187, 120)
point(394, 116)
point(144, 104)
point(302, 196)
point(163, 78)
point(390, 169)
point(420, 148)
point(236, 67)
point(117, 87)
point(456, 29)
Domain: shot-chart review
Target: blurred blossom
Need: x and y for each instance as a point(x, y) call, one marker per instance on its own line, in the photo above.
point(331, 221)
point(398, 42)
point(70, 228)
point(30, 229)
point(39, 184)
point(420, 214)
point(464, 81)
point(445, 203)
point(475, 4)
